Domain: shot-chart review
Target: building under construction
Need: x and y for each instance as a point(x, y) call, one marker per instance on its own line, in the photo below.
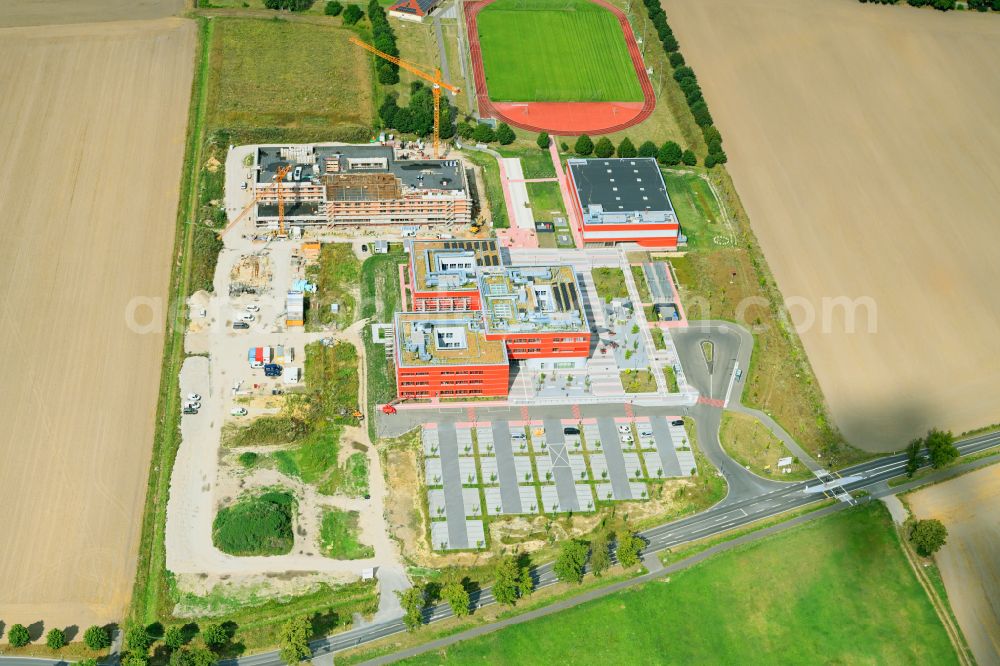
point(360, 185)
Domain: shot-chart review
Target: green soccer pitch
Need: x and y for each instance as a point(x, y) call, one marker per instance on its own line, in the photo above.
point(555, 51)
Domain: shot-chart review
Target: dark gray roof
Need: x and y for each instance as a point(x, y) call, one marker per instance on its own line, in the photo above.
point(421, 174)
point(620, 185)
point(303, 209)
point(425, 5)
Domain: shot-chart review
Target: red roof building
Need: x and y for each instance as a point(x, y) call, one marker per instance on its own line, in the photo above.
point(412, 10)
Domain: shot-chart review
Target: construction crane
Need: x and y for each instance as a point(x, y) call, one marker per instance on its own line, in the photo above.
point(258, 194)
point(435, 79)
point(278, 179)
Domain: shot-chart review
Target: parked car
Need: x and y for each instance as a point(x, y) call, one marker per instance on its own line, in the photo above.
point(677, 422)
point(238, 411)
point(243, 186)
point(624, 428)
point(518, 435)
point(194, 397)
point(739, 374)
point(192, 405)
point(238, 325)
point(253, 307)
point(364, 248)
point(248, 317)
point(570, 430)
point(190, 410)
point(272, 370)
point(646, 433)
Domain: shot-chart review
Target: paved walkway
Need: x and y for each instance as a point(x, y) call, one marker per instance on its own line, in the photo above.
point(518, 206)
point(445, 71)
point(569, 198)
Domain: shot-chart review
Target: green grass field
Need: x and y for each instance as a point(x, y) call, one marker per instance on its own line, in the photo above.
point(555, 51)
point(696, 207)
point(837, 590)
point(256, 525)
point(338, 536)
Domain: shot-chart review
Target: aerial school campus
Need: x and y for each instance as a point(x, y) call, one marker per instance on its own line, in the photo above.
point(465, 319)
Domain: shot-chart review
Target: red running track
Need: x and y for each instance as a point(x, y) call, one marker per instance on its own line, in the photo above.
point(565, 118)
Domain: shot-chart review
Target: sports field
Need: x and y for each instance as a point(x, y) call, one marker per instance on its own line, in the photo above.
point(837, 590)
point(555, 51)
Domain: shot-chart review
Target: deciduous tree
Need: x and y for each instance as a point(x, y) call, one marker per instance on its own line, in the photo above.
point(600, 553)
point(352, 14)
point(55, 639)
point(18, 636)
point(333, 8)
point(572, 558)
point(484, 133)
point(914, 458)
point(628, 548)
point(940, 447)
point(457, 597)
point(583, 146)
point(293, 640)
point(505, 135)
point(543, 140)
point(689, 158)
point(413, 601)
point(927, 536)
point(648, 149)
point(511, 580)
point(96, 638)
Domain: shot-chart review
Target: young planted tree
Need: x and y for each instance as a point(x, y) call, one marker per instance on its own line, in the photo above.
point(457, 597)
point(543, 140)
point(511, 581)
point(669, 154)
point(55, 639)
point(604, 148)
point(914, 458)
point(293, 640)
point(96, 638)
point(413, 601)
point(626, 149)
point(18, 636)
point(927, 536)
point(648, 149)
point(572, 558)
point(628, 548)
point(583, 146)
point(600, 553)
point(505, 135)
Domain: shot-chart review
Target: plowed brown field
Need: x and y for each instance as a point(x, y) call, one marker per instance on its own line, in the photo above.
point(863, 142)
point(92, 125)
point(969, 506)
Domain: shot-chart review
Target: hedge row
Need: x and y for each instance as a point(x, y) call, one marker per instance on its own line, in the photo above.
point(688, 83)
point(385, 41)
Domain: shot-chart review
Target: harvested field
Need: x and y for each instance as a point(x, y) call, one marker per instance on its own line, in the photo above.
point(49, 12)
point(92, 124)
point(970, 561)
point(862, 141)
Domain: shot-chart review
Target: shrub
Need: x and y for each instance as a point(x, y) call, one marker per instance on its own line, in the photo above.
point(248, 459)
point(484, 133)
point(333, 8)
point(648, 149)
point(173, 638)
point(97, 638)
point(626, 149)
point(543, 140)
point(669, 154)
point(292, 5)
point(256, 526)
point(137, 639)
point(55, 639)
point(215, 636)
point(689, 158)
point(18, 636)
point(505, 135)
point(583, 146)
point(604, 148)
point(352, 14)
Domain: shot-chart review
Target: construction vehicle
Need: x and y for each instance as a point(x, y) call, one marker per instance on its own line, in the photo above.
point(437, 82)
point(389, 407)
point(358, 415)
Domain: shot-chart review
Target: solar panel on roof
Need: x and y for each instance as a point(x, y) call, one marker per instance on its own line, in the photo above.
point(560, 305)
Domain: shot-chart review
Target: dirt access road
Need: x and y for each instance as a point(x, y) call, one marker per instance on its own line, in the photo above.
point(969, 506)
point(53, 12)
point(862, 139)
point(92, 124)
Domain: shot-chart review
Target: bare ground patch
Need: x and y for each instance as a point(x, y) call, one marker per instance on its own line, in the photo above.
point(92, 123)
point(861, 139)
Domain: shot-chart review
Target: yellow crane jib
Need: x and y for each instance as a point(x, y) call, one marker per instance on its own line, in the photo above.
point(435, 79)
